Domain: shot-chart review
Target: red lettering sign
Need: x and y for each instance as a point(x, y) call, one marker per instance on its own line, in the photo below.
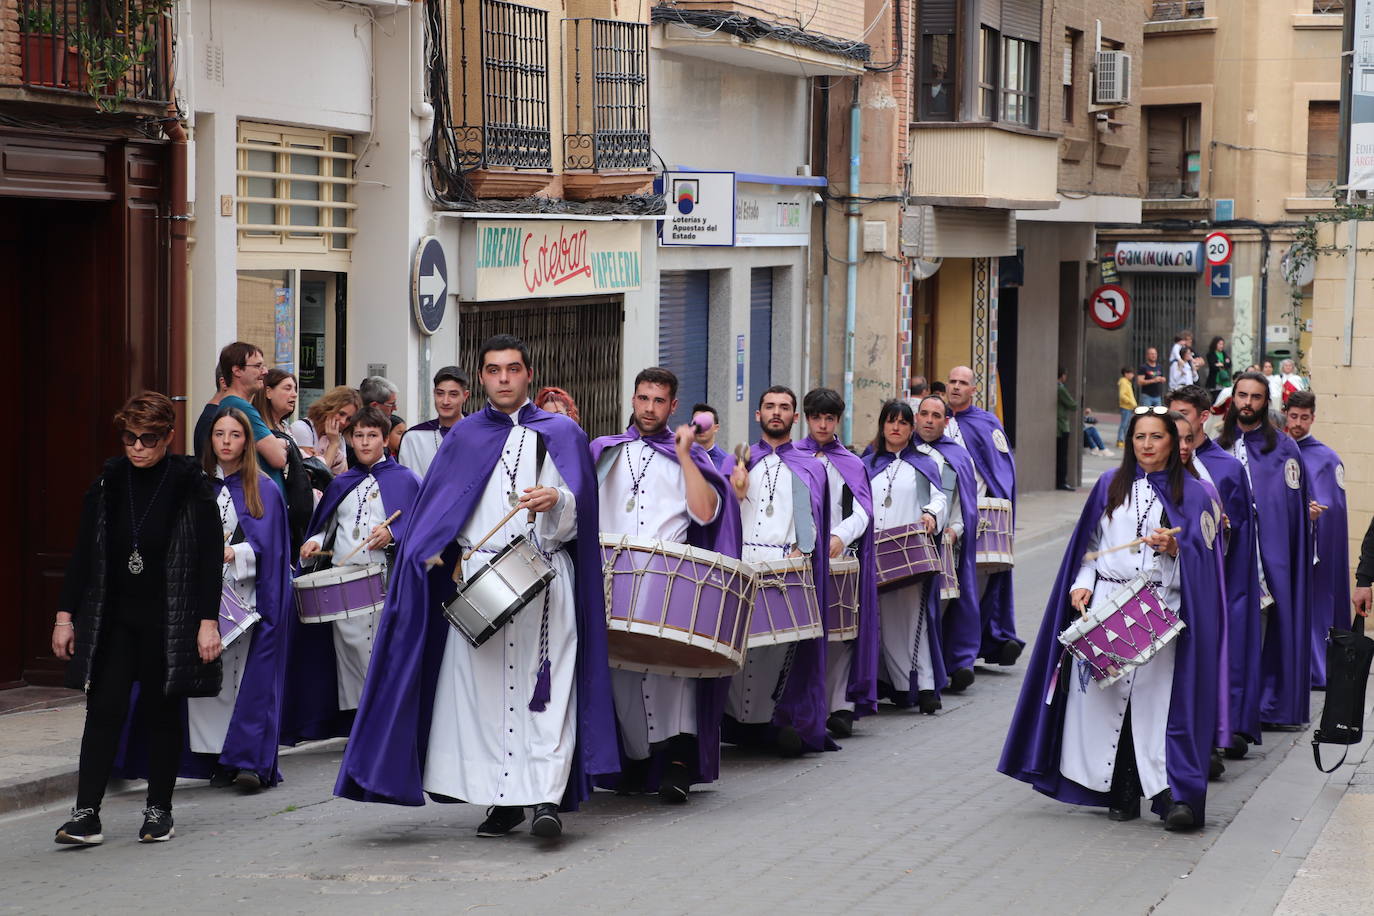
point(555, 261)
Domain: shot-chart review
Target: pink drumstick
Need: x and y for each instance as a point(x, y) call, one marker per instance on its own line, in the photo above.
point(703, 421)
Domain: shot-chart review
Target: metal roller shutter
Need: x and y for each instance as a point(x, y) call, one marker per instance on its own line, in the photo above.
point(760, 334)
point(1161, 306)
point(684, 334)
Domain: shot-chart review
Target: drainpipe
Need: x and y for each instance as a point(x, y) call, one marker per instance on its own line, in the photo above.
point(824, 128)
point(179, 325)
point(851, 290)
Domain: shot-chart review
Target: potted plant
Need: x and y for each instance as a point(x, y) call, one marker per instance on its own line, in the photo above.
point(46, 58)
point(115, 44)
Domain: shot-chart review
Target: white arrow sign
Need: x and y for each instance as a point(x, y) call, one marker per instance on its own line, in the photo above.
point(432, 286)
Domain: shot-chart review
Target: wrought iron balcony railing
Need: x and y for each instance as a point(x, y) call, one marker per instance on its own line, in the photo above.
point(502, 85)
point(112, 50)
point(606, 82)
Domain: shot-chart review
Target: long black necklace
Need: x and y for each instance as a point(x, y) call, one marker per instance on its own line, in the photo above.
point(512, 473)
point(771, 482)
point(135, 522)
point(637, 479)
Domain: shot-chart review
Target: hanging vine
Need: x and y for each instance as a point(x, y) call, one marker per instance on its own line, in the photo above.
point(1305, 251)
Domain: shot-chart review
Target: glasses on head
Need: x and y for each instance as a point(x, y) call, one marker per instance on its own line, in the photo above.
point(1151, 408)
point(147, 440)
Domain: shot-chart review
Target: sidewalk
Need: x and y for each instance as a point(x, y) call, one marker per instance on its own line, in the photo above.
point(40, 729)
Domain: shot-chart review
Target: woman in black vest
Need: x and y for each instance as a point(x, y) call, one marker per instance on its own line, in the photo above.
point(140, 604)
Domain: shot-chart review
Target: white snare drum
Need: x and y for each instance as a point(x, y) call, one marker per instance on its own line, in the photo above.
point(340, 592)
point(673, 608)
point(993, 542)
point(498, 591)
point(235, 616)
point(1123, 633)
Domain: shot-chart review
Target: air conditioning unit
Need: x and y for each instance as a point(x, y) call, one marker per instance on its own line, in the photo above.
point(1112, 85)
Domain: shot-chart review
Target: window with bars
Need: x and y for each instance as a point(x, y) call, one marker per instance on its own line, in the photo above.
point(295, 189)
point(503, 85)
point(606, 82)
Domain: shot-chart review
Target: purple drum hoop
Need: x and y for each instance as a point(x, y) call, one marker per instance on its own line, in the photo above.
point(339, 600)
point(993, 545)
point(238, 617)
point(1151, 626)
point(905, 552)
point(774, 601)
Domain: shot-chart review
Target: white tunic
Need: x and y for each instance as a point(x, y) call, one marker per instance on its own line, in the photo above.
point(901, 494)
point(486, 746)
point(359, 511)
point(207, 718)
point(1093, 717)
point(839, 656)
point(649, 707)
point(952, 430)
point(418, 448)
point(769, 537)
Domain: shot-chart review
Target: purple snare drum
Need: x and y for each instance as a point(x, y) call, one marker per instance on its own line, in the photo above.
point(673, 608)
point(339, 593)
point(235, 617)
point(949, 572)
point(1122, 634)
point(994, 539)
point(842, 610)
point(903, 553)
point(786, 609)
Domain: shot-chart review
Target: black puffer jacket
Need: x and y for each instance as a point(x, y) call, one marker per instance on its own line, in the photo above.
point(193, 568)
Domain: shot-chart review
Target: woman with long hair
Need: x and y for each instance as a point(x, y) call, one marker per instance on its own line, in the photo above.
point(556, 400)
point(276, 399)
point(1218, 365)
point(233, 736)
point(139, 605)
point(321, 433)
point(907, 492)
point(1152, 732)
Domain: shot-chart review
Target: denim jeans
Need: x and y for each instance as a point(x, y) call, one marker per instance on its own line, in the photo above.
point(1125, 422)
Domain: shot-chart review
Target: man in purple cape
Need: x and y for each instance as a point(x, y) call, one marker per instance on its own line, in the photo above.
point(669, 726)
point(1196, 712)
point(1274, 467)
point(961, 627)
point(779, 697)
point(390, 754)
point(311, 707)
point(851, 665)
point(982, 434)
point(1226, 473)
point(706, 438)
point(928, 466)
point(1326, 487)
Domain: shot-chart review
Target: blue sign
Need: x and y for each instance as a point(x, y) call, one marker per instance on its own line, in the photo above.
point(1224, 209)
point(739, 368)
point(429, 284)
point(1221, 281)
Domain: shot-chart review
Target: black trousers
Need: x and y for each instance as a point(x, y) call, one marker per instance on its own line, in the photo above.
point(1061, 460)
point(128, 655)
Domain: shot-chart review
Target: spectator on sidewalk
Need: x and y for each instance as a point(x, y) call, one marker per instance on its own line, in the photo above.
point(1125, 402)
point(556, 400)
point(244, 368)
point(1152, 378)
point(1092, 439)
point(201, 437)
point(919, 388)
point(1064, 409)
point(1218, 365)
point(381, 393)
point(320, 432)
point(1182, 372)
point(276, 401)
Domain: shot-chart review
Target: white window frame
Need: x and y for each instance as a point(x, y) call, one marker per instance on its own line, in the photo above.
point(334, 200)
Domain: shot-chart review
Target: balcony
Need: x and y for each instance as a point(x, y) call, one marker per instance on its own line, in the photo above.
point(606, 109)
point(1173, 10)
point(980, 164)
point(501, 96)
point(115, 53)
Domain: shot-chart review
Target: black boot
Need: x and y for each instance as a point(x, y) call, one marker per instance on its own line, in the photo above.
point(840, 724)
point(1123, 799)
point(1238, 748)
point(928, 702)
point(1216, 768)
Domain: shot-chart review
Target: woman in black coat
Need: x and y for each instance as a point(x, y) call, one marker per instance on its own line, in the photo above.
point(140, 604)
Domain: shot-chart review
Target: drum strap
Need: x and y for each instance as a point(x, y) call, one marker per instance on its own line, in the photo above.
point(846, 504)
point(238, 536)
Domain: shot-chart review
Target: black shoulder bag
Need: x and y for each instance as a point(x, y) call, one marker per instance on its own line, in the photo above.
point(1348, 656)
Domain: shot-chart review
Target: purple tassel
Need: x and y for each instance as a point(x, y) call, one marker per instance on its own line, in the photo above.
point(541, 689)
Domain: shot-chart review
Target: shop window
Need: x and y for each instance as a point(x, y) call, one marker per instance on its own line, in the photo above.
point(295, 190)
point(1323, 128)
point(1174, 151)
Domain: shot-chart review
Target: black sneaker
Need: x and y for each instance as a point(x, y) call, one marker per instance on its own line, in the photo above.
point(222, 777)
point(676, 783)
point(501, 820)
point(248, 779)
point(1011, 651)
point(960, 680)
point(546, 822)
point(82, 830)
point(928, 702)
point(840, 724)
point(157, 825)
point(789, 742)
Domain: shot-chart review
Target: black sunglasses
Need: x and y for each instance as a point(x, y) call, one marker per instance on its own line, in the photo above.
point(147, 440)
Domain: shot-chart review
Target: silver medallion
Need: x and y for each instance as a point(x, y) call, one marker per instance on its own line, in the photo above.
point(887, 501)
point(357, 532)
point(630, 504)
point(768, 510)
point(135, 562)
point(512, 499)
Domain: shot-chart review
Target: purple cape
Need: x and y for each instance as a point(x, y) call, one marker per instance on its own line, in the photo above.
point(311, 708)
point(862, 690)
point(385, 758)
point(962, 627)
point(722, 536)
point(1196, 712)
point(981, 431)
point(803, 703)
point(925, 465)
point(252, 740)
point(719, 457)
point(1331, 575)
point(1242, 587)
point(1285, 541)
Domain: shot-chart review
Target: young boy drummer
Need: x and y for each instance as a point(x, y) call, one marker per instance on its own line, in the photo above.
point(353, 515)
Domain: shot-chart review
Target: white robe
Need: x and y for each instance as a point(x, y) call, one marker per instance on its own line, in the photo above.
point(768, 537)
point(1093, 717)
point(648, 707)
point(418, 448)
point(486, 746)
point(362, 509)
point(839, 656)
point(905, 645)
point(207, 718)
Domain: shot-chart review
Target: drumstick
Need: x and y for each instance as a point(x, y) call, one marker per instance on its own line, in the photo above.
point(1089, 557)
point(490, 534)
point(386, 524)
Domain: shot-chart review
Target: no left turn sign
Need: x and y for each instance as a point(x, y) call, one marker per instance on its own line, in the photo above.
point(1109, 306)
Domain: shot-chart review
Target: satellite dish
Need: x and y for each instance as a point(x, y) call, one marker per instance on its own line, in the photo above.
point(1298, 274)
point(924, 270)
